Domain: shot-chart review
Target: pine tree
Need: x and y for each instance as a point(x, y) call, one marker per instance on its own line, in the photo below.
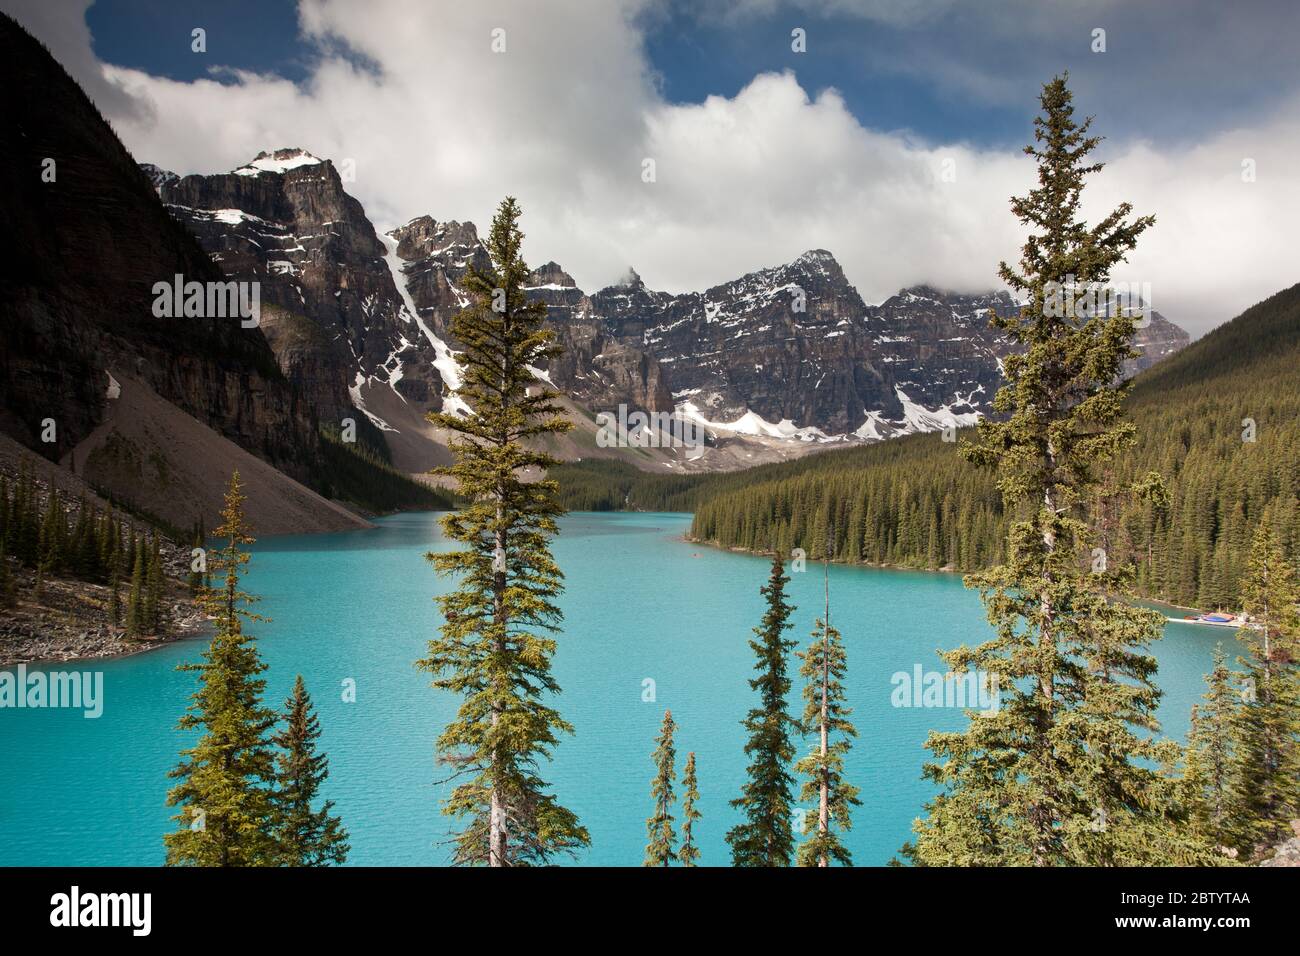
point(1207, 777)
point(826, 716)
point(226, 816)
point(495, 644)
point(1267, 727)
point(306, 837)
point(50, 547)
point(659, 826)
point(6, 508)
point(8, 591)
point(136, 622)
point(689, 853)
point(155, 610)
point(1067, 770)
point(115, 587)
point(115, 600)
point(766, 837)
point(29, 524)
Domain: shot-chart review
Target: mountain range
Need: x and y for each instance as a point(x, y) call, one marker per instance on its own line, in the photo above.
point(790, 353)
point(354, 329)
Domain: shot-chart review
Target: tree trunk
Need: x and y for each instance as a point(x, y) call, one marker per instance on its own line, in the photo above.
point(823, 807)
point(1046, 638)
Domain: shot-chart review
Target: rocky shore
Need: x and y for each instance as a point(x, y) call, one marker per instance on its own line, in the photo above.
point(71, 622)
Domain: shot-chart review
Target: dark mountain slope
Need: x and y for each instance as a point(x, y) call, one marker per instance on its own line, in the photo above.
point(78, 259)
point(81, 250)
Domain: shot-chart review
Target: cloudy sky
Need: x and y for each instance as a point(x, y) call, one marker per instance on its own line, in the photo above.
point(760, 152)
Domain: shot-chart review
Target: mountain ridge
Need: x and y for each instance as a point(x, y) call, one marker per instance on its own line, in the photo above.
point(789, 353)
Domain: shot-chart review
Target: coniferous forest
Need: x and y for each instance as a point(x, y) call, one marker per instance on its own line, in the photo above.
point(1219, 422)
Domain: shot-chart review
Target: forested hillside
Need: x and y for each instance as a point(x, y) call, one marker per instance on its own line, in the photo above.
point(1220, 422)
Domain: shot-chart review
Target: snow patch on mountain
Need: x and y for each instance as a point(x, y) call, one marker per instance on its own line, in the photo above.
point(445, 362)
point(354, 392)
point(917, 418)
point(751, 423)
point(280, 161)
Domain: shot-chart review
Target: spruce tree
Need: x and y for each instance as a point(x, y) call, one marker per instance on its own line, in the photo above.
point(689, 853)
point(136, 623)
point(766, 837)
point(1267, 725)
point(1066, 770)
point(115, 600)
point(659, 826)
point(225, 779)
point(6, 506)
point(28, 522)
point(155, 609)
point(8, 592)
point(115, 588)
point(826, 717)
point(496, 642)
point(1207, 776)
point(306, 836)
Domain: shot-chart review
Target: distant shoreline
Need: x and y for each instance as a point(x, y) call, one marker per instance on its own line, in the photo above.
point(894, 567)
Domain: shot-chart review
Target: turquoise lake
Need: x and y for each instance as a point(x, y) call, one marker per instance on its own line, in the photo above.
point(640, 603)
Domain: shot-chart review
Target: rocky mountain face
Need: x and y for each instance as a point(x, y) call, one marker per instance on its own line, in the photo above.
point(331, 307)
point(84, 243)
point(595, 369)
point(1155, 340)
point(797, 345)
point(789, 352)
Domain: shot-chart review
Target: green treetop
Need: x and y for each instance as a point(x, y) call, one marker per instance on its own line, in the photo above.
point(766, 838)
point(224, 779)
point(659, 826)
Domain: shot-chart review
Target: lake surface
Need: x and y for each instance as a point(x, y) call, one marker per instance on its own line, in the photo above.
point(640, 603)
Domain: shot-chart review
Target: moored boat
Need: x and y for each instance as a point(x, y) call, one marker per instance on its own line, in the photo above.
point(1217, 619)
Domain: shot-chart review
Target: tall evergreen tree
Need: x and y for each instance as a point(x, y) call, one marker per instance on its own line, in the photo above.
point(154, 611)
point(306, 836)
point(8, 589)
point(659, 826)
point(225, 779)
point(115, 588)
point(1065, 771)
point(766, 837)
point(495, 645)
point(826, 717)
point(136, 623)
point(689, 853)
point(6, 506)
point(1207, 776)
point(1267, 725)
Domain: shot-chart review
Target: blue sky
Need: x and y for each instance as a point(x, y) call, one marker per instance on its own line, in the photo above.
point(1171, 70)
point(154, 36)
point(762, 153)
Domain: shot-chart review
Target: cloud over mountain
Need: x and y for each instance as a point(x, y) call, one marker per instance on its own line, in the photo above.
point(565, 118)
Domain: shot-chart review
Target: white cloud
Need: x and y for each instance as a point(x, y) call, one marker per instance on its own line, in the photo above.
point(564, 118)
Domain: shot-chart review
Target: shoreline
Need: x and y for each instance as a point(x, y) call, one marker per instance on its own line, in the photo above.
point(71, 625)
point(897, 567)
